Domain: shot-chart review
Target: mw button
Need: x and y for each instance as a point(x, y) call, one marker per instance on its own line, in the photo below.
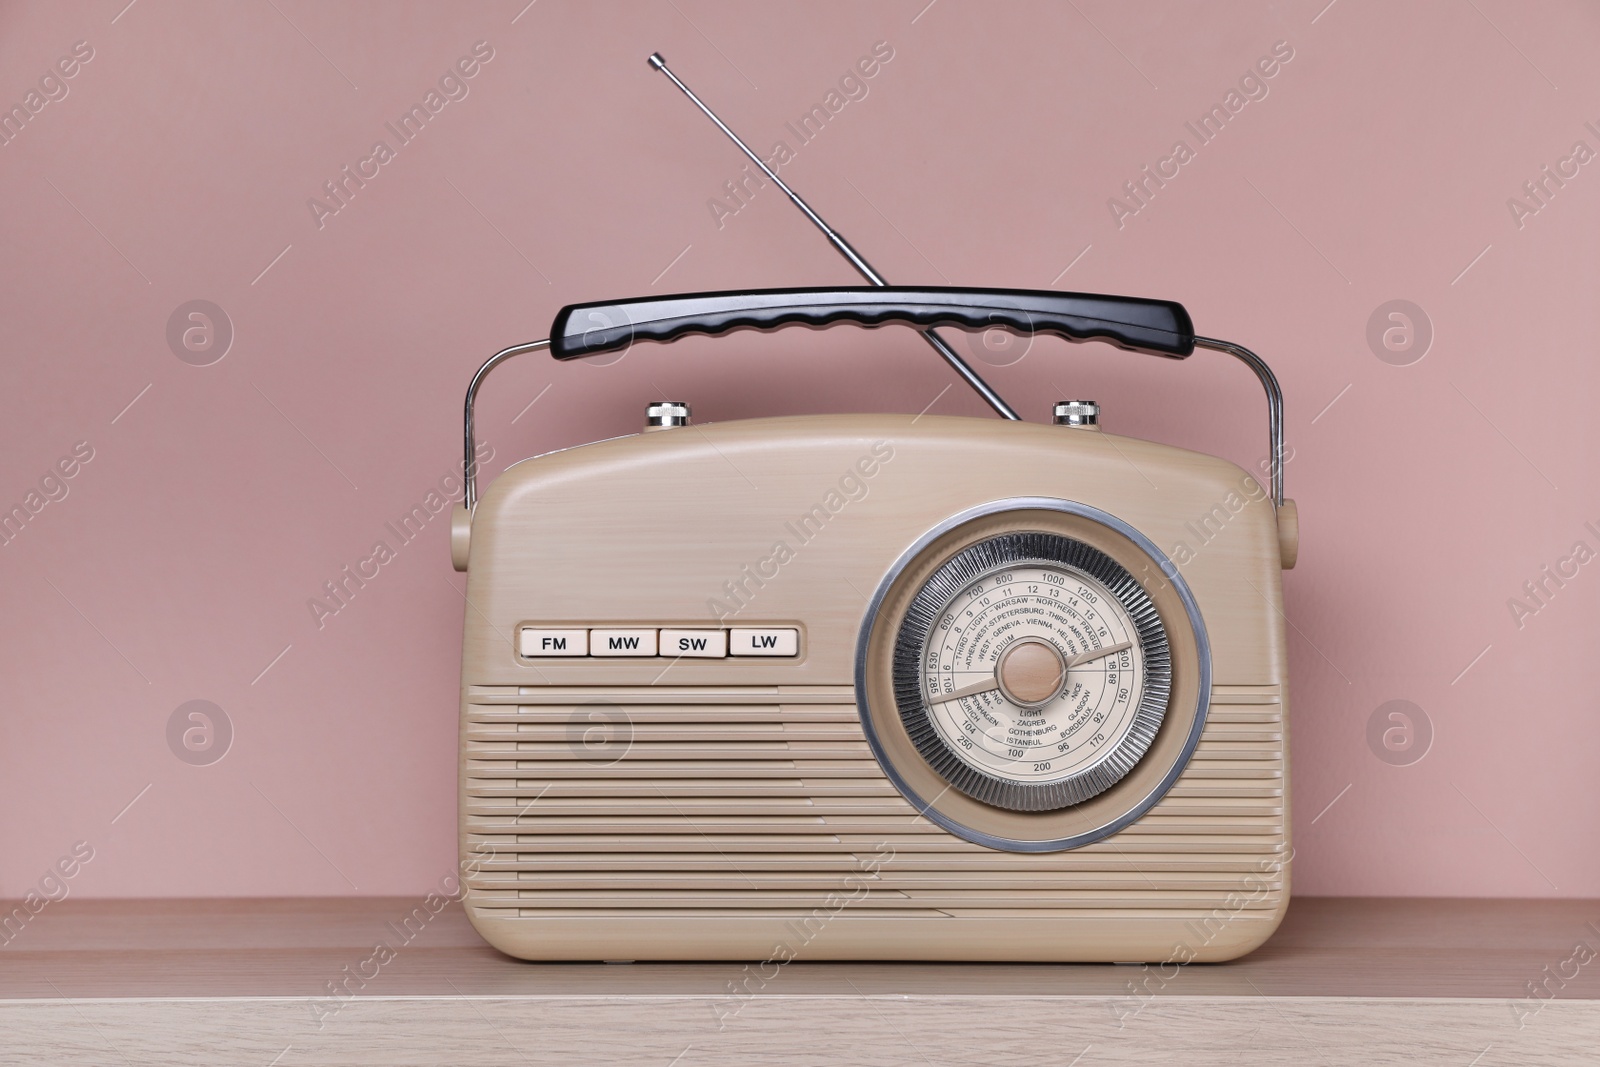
point(622, 642)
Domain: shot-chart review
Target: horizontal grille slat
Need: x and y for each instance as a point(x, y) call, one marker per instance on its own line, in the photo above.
point(980, 882)
point(534, 716)
point(1055, 897)
point(739, 820)
point(555, 770)
point(689, 696)
point(532, 735)
point(671, 793)
point(778, 749)
point(905, 845)
point(839, 859)
point(798, 919)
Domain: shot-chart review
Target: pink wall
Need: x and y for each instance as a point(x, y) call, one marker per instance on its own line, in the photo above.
point(178, 166)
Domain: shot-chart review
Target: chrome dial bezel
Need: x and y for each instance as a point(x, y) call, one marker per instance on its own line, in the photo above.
point(931, 800)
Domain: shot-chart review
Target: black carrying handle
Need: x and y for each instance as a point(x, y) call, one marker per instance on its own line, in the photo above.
point(1160, 327)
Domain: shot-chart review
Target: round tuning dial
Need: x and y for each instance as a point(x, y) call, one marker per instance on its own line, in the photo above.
point(1033, 677)
point(1043, 673)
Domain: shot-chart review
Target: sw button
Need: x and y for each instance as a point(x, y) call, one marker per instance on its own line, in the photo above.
point(706, 644)
point(778, 641)
point(622, 642)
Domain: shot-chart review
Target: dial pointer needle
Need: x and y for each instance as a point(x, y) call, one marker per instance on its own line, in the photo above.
point(993, 681)
point(1096, 653)
point(972, 690)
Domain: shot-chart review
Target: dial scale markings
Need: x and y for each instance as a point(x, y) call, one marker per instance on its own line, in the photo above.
point(1074, 614)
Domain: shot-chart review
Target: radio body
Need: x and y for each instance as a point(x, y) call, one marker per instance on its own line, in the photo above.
point(874, 686)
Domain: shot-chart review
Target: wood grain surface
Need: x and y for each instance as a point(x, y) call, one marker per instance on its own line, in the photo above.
point(247, 981)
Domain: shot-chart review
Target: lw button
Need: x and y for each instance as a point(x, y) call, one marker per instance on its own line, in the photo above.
point(704, 644)
point(622, 642)
point(780, 641)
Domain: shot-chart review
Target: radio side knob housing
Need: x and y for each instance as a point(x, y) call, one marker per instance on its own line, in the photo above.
point(1288, 534)
point(460, 536)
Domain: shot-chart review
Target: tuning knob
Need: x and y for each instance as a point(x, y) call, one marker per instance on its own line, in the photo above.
point(665, 414)
point(1084, 413)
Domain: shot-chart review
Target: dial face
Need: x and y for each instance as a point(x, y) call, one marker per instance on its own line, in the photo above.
point(1059, 666)
point(1041, 667)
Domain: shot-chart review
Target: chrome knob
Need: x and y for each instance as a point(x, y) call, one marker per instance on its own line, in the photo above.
point(1077, 413)
point(666, 413)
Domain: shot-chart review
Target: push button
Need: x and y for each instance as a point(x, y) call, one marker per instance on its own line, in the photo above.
point(705, 644)
point(769, 641)
point(622, 642)
point(534, 642)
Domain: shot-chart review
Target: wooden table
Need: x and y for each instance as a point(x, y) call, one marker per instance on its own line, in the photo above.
point(248, 982)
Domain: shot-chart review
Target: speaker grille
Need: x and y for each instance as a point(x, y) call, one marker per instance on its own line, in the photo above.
point(667, 801)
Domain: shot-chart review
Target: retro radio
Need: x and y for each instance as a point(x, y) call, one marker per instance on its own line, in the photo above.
point(875, 686)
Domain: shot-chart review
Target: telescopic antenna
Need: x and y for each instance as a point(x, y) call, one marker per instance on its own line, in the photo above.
point(939, 344)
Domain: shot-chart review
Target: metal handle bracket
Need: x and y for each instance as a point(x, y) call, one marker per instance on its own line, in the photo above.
point(469, 463)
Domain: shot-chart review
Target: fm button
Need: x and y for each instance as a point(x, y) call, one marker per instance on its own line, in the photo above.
point(769, 641)
point(535, 643)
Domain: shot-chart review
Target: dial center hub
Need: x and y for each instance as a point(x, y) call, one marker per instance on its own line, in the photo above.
point(1032, 672)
